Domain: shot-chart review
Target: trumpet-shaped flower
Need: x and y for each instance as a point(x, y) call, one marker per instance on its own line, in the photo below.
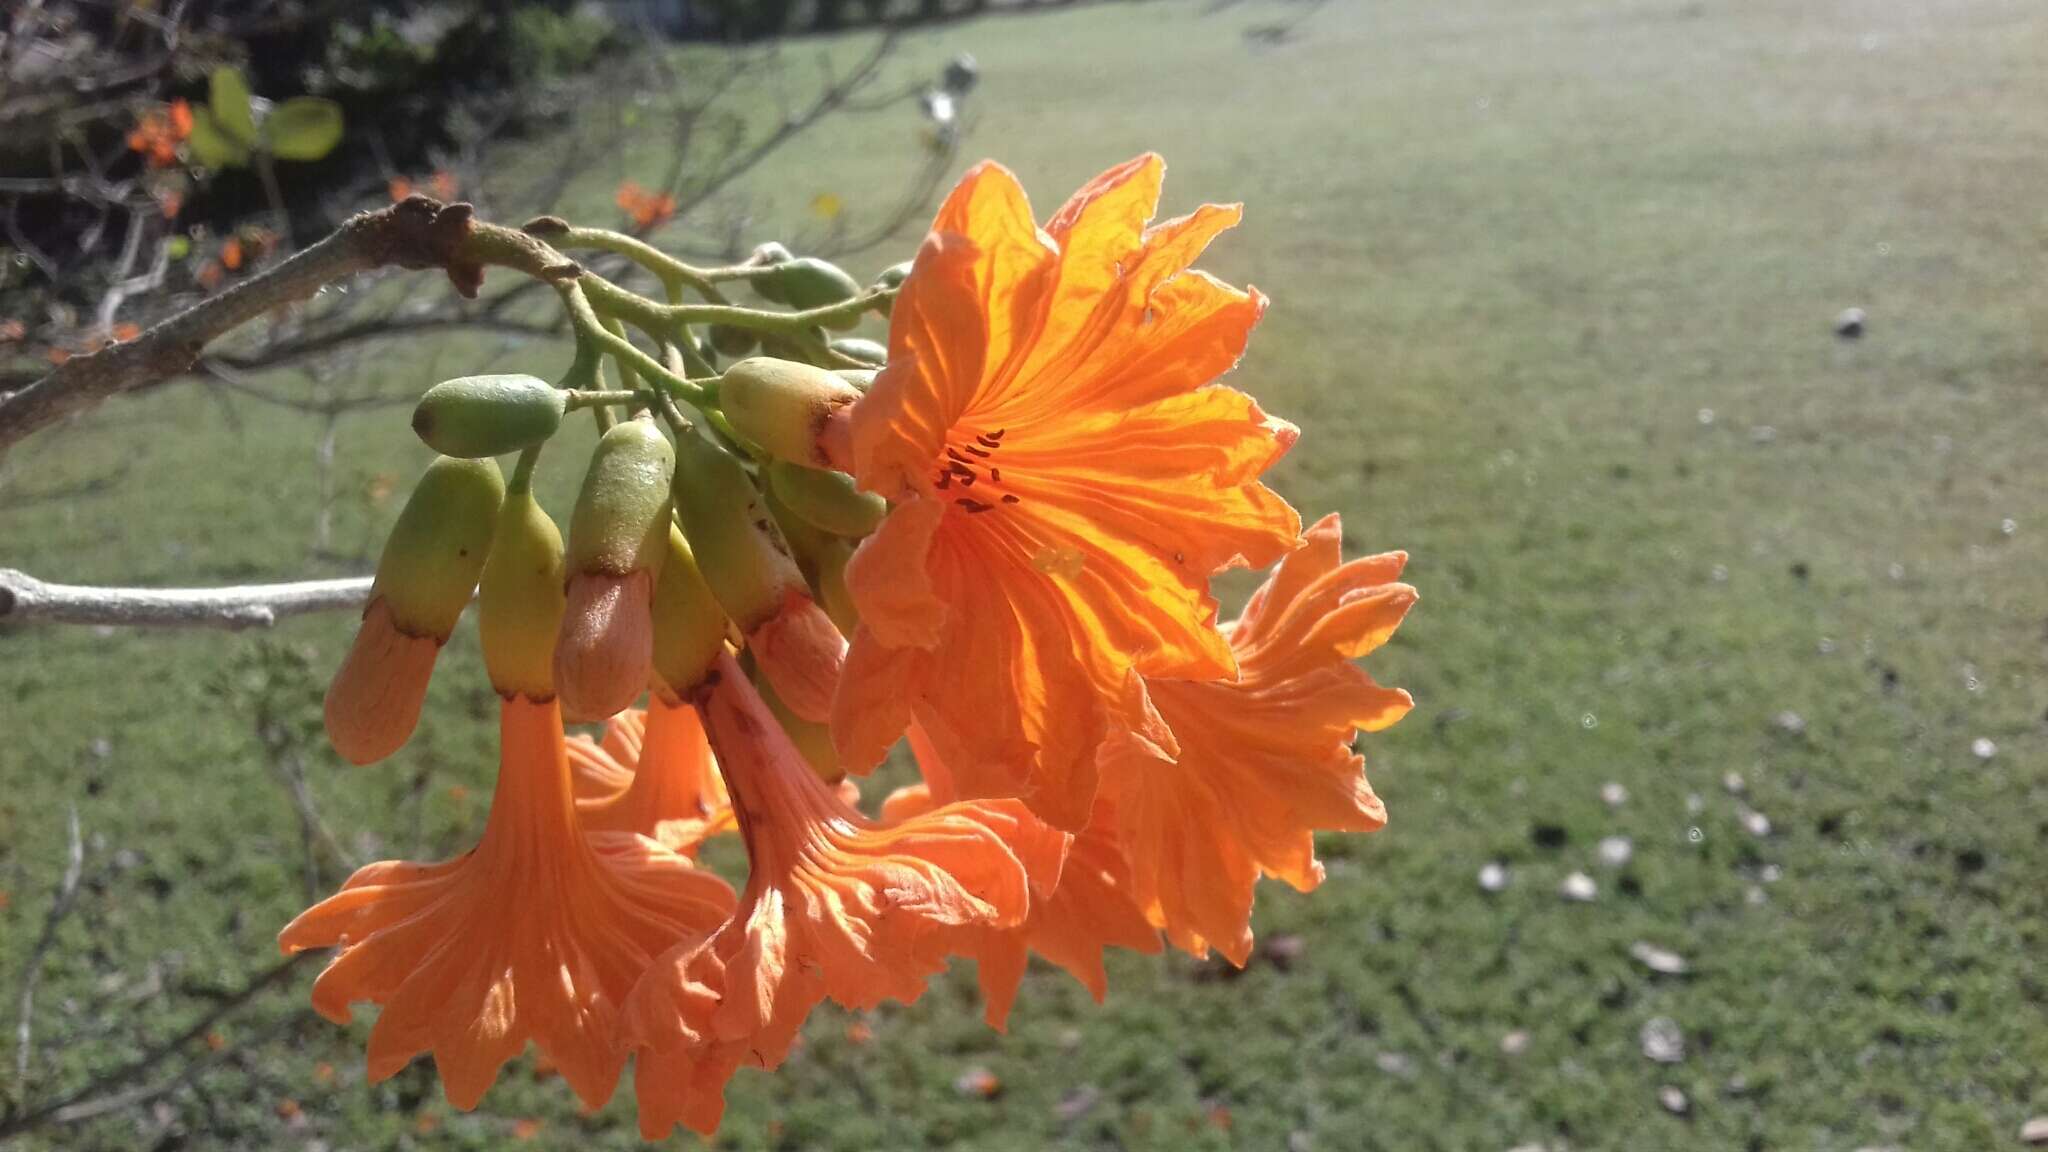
point(538, 934)
point(835, 906)
point(1264, 760)
point(1071, 924)
point(1065, 480)
point(674, 793)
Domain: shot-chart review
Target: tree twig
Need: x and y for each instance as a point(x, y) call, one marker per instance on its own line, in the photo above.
point(416, 233)
point(23, 597)
point(60, 907)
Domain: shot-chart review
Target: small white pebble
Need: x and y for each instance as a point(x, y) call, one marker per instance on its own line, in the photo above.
point(1695, 803)
point(1514, 1043)
point(1733, 783)
point(1758, 824)
point(1579, 887)
point(2008, 526)
point(1983, 748)
point(1493, 877)
point(1706, 416)
point(1791, 722)
point(1613, 794)
point(1673, 1099)
point(1616, 851)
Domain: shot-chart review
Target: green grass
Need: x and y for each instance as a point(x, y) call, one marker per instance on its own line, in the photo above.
point(1518, 252)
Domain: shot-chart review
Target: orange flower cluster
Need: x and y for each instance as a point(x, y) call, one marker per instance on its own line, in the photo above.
point(159, 131)
point(442, 186)
point(1103, 764)
point(643, 207)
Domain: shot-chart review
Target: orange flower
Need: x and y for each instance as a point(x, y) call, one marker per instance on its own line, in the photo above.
point(536, 934)
point(399, 188)
point(158, 133)
point(1089, 910)
point(644, 207)
point(835, 906)
point(600, 769)
point(674, 794)
point(1065, 483)
point(1264, 760)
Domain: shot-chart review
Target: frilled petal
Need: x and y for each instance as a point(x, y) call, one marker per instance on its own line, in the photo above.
point(536, 935)
point(1074, 917)
point(1265, 760)
point(1065, 480)
point(835, 906)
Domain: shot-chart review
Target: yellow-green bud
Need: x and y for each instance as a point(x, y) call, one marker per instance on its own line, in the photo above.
point(620, 524)
point(827, 499)
point(813, 283)
point(737, 546)
point(689, 627)
point(437, 548)
point(476, 416)
point(830, 581)
point(862, 379)
point(894, 275)
point(521, 600)
point(863, 349)
point(823, 557)
point(782, 405)
point(812, 739)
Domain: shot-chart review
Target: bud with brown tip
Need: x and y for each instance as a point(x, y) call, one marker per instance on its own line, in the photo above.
point(783, 406)
point(750, 569)
point(618, 537)
point(424, 579)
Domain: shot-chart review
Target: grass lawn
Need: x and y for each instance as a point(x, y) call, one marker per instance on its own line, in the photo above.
point(1554, 289)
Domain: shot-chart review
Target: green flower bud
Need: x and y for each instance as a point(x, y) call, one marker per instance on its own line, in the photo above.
point(621, 520)
point(827, 499)
point(862, 349)
point(436, 550)
point(783, 405)
point(811, 738)
point(861, 378)
point(894, 275)
point(810, 283)
point(769, 288)
point(618, 539)
point(742, 555)
point(476, 416)
point(689, 627)
point(520, 604)
point(731, 341)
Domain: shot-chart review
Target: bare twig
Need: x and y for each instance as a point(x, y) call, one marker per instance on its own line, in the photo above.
point(60, 907)
point(98, 1097)
point(418, 233)
point(23, 597)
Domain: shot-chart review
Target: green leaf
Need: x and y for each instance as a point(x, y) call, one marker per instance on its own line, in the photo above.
point(211, 145)
point(303, 128)
point(232, 105)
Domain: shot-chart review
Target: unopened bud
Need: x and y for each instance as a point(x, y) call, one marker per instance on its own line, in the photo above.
point(520, 601)
point(812, 739)
point(830, 500)
point(782, 405)
point(424, 579)
point(689, 627)
point(732, 341)
point(618, 537)
point(813, 283)
point(769, 288)
point(823, 557)
point(751, 570)
point(862, 349)
point(476, 416)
